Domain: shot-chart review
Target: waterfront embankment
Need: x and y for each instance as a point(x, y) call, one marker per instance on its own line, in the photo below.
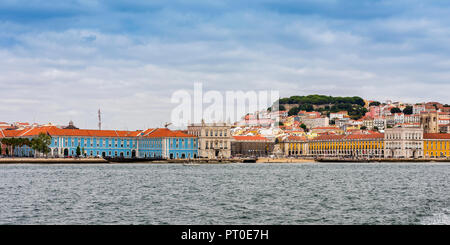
point(360, 160)
point(284, 160)
point(16, 160)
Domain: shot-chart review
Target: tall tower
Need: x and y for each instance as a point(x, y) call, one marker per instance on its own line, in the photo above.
point(99, 120)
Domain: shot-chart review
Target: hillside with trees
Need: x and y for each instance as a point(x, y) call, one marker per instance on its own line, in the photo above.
point(325, 104)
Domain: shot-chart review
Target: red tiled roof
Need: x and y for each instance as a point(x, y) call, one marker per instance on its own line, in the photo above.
point(325, 128)
point(10, 133)
point(296, 138)
point(329, 137)
point(250, 138)
point(54, 131)
point(436, 136)
point(365, 136)
point(349, 137)
point(165, 132)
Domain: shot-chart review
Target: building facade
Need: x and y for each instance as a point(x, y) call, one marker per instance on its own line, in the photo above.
point(214, 139)
point(401, 142)
point(152, 143)
point(429, 122)
point(251, 146)
point(436, 145)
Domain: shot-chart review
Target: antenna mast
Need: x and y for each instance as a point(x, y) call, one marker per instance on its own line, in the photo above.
point(99, 120)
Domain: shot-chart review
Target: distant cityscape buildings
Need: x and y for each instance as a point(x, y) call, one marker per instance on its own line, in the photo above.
point(380, 130)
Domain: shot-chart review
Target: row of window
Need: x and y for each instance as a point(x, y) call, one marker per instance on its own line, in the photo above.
point(211, 133)
point(181, 143)
point(216, 144)
point(408, 136)
point(98, 142)
point(151, 143)
point(437, 145)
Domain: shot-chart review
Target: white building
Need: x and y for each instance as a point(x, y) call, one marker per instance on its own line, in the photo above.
point(338, 115)
point(417, 109)
point(403, 142)
point(379, 122)
point(414, 118)
point(214, 139)
point(316, 122)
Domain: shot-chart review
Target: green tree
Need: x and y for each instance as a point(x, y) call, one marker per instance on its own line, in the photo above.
point(376, 128)
point(8, 142)
point(12, 143)
point(396, 110)
point(408, 110)
point(41, 143)
point(78, 151)
point(82, 152)
point(281, 108)
point(303, 126)
point(363, 128)
point(1, 149)
point(293, 111)
point(374, 103)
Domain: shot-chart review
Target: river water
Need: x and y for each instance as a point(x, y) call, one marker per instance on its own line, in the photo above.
point(266, 194)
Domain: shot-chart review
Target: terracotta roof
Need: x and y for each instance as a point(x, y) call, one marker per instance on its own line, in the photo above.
point(54, 131)
point(165, 132)
point(325, 128)
point(349, 137)
point(296, 138)
point(365, 136)
point(250, 138)
point(10, 133)
point(436, 136)
point(329, 137)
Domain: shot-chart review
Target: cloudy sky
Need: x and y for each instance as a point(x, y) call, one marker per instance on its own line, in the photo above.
point(63, 60)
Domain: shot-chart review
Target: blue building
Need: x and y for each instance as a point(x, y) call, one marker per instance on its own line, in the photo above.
point(152, 143)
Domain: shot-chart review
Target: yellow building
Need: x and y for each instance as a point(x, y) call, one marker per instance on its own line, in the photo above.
point(358, 145)
point(436, 145)
point(295, 146)
point(367, 145)
point(355, 145)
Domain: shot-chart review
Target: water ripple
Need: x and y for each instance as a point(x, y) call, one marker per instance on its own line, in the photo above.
point(225, 194)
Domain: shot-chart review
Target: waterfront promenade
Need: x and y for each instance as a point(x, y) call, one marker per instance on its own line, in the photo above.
point(19, 160)
point(50, 160)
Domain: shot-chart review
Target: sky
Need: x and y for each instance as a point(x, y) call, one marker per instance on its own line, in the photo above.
point(63, 60)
